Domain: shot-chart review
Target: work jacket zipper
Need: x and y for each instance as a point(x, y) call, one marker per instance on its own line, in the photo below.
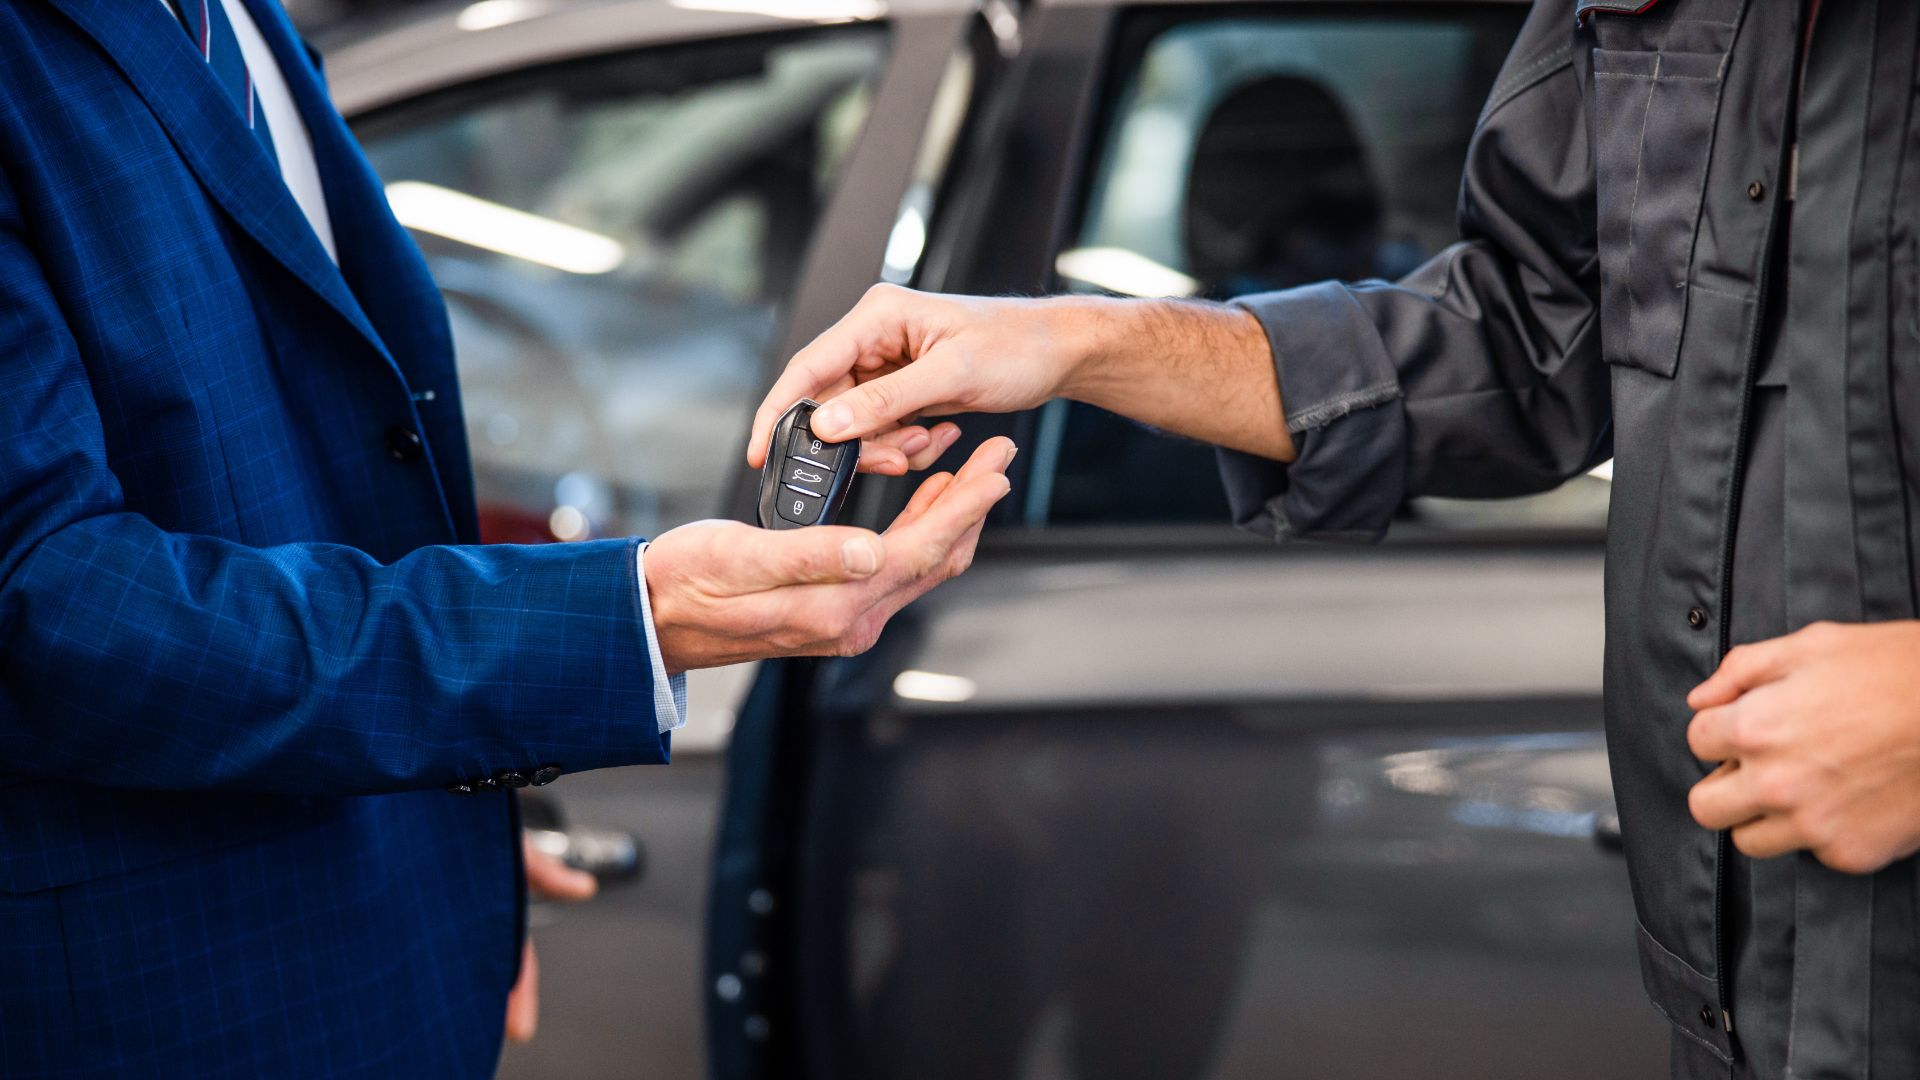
point(1722, 840)
point(1787, 167)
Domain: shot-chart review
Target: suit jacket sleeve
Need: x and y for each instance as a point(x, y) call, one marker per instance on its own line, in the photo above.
point(1479, 374)
point(135, 657)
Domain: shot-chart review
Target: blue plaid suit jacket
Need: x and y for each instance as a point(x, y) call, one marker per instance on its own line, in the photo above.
point(243, 649)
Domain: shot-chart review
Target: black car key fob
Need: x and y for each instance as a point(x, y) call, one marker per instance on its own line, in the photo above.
point(805, 480)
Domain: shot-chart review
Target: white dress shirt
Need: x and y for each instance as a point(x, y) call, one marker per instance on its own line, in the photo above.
point(291, 141)
point(292, 144)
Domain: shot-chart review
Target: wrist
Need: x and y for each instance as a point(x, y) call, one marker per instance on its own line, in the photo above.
point(662, 607)
point(1090, 337)
point(1197, 369)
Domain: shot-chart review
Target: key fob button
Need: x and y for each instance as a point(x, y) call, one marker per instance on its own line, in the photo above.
point(806, 474)
point(798, 506)
point(807, 446)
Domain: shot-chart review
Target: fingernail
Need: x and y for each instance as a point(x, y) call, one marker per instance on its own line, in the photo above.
point(1012, 452)
point(859, 558)
point(915, 443)
point(832, 419)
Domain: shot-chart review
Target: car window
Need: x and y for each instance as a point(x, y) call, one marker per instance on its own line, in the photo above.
point(1256, 152)
point(616, 240)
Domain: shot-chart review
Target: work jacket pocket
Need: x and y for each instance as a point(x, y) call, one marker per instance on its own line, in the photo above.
point(1688, 999)
point(1653, 119)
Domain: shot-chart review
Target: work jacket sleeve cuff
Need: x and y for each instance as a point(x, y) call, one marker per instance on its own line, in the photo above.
point(1344, 410)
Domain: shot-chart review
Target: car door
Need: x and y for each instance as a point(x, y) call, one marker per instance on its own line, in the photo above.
point(631, 211)
point(1141, 796)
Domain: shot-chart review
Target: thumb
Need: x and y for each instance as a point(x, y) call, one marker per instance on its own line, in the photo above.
point(879, 404)
point(821, 555)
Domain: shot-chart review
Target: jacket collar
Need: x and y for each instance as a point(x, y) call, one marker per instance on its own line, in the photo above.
point(159, 61)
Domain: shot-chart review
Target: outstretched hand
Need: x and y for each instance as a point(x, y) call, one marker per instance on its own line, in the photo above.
point(723, 592)
point(1199, 370)
point(901, 354)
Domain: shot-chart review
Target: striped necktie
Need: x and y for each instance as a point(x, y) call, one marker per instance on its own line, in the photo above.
point(206, 22)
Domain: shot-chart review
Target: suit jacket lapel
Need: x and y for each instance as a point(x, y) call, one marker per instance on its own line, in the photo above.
point(381, 263)
point(148, 46)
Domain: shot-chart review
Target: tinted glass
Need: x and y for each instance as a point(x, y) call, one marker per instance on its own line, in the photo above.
point(1248, 154)
point(616, 241)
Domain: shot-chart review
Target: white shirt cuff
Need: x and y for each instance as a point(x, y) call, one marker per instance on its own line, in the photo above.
point(669, 694)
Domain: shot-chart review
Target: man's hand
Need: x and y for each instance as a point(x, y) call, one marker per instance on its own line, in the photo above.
point(1818, 736)
point(910, 353)
point(549, 879)
point(1200, 370)
point(723, 592)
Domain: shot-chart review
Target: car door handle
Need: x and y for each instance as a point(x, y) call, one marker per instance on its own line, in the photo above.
point(611, 856)
point(1606, 832)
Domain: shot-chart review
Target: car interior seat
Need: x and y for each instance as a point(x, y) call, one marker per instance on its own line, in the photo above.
point(1279, 192)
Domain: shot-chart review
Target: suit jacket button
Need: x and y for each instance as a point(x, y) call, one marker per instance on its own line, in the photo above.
point(545, 774)
point(508, 778)
point(460, 789)
point(486, 783)
point(403, 443)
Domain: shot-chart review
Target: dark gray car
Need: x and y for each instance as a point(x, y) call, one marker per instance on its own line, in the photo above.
point(1086, 812)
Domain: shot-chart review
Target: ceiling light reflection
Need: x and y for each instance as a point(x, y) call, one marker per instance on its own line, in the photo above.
point(487, 14)
point(904, 245)
point(488, 225)
point(802, 10)
point(933, 686)
point(1128, 273)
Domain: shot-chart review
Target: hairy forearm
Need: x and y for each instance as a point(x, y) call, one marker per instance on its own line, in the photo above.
point(1204, 371)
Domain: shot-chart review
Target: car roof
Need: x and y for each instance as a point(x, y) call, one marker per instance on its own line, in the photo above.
point(377, 61)
point(374, 61)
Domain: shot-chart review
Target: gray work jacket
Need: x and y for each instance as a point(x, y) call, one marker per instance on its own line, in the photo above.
point(1620, 206)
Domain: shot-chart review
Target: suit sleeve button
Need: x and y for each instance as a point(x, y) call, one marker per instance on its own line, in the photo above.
point(404, 443)
point(545, 774)
point(460, 789)
point(486, 783)
point(509, 778)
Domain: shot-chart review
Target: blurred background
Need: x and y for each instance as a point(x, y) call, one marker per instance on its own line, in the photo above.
point(1140, 796)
